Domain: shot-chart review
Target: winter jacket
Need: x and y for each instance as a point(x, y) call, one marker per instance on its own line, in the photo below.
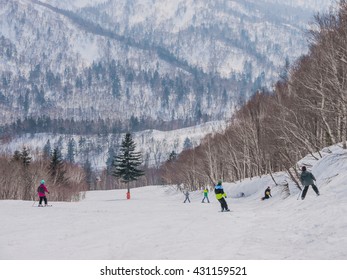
point(42, 193)
point(205, 192)
point(267, 193)
point(307, 178)
point(218, 190)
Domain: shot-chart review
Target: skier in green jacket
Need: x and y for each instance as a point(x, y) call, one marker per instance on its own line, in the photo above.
point(205, 196)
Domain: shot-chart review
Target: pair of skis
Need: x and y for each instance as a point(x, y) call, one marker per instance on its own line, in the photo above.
point(300, 193)
point(47, 205)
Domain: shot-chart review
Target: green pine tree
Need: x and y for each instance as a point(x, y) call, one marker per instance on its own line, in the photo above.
point(126, 162)
point(57, 167)
point(71, 151)
point(87, 166)
point(47, 150)
point(173, 156)
point(187, 144)
point(16, 155)
point(25, 157)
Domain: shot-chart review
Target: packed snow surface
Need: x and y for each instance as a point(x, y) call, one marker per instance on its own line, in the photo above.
point(156, 224)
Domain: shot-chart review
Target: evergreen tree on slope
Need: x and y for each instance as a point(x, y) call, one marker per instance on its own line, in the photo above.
point(57, 167)
point(47, 150)
point(127, 161)
point(71, 151)
point(25, 159)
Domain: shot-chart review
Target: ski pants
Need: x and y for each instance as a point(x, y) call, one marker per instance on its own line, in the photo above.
point(203, 200)
point(187, 198)
point(223, 203)
point(43, 198)
point(314, 187)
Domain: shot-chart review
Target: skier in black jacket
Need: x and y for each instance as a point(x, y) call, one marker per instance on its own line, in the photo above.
point(267, 193)
point(221, 195)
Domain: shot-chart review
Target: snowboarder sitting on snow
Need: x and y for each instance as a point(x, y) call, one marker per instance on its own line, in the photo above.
point(42, 190)
point(205, 196)
point(307, 179)
point(187, 197)
point(220, 195)
point(267, 193)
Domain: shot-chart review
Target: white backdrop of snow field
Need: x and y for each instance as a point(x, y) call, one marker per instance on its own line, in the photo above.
point(156, 224)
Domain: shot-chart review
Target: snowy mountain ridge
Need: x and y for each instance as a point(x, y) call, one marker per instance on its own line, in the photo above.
point(167, 60)
point(312, 4)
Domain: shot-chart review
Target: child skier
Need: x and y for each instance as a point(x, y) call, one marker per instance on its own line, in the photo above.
point(220, 195)
point(267, 194)
point(205, 196)
point(187, 197)
point(41, 191)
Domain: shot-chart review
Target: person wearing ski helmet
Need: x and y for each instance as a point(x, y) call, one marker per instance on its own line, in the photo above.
point(307, 179)
point(41, 191)
point(221, 195)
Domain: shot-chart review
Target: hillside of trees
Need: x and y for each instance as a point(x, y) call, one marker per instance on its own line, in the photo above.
point(305, 112)
point(21, 174)
point(100, 64)
point(66, 179)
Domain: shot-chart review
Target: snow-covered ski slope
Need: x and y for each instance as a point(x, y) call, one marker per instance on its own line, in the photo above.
point(156, 224)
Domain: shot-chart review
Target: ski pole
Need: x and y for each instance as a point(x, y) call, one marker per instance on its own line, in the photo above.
point(33, 203)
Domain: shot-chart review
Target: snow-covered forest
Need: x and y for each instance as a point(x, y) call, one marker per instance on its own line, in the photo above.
point(304, 113)
point(142, 63)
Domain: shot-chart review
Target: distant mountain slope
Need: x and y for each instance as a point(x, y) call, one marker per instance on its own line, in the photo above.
point(142, 61)
point(155, 146)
